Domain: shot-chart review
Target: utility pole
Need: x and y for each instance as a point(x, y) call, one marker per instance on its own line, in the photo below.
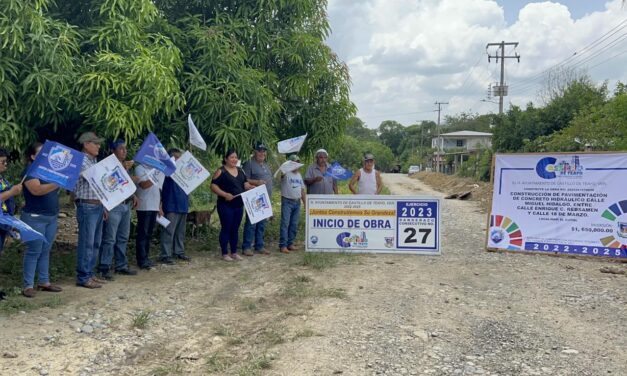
point(439, 141)
point(501, 90)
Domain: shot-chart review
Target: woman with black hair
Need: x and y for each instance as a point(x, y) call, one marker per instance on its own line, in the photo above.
point(229, 181)
point(40, 212)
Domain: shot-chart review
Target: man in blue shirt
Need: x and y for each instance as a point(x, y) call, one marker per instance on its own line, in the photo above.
point(175, 205)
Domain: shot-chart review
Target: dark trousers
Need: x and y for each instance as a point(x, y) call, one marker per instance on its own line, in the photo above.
point(145, 226)
point(230, 220)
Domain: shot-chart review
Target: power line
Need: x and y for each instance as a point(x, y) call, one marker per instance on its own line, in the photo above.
point(576, 54)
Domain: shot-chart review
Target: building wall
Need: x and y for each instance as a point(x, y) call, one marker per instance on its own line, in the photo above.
point(469, 143)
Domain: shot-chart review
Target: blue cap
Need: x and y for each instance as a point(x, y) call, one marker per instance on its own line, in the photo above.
point(114, 144)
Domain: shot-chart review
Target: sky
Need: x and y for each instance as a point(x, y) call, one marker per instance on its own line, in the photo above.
point(404, 55)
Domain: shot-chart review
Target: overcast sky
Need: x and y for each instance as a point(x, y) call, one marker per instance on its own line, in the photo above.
point(404, 55)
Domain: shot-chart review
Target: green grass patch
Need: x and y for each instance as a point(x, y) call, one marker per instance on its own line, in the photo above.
point(141, 319)
point(305, 333)
point(272, 337)
point(218, 362)
point(255, 365)
point(175, 369)
point(249, 305)
point(15, 302)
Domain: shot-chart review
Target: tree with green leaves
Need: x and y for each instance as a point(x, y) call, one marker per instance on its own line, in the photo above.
point(246, 70)
point(37, 71)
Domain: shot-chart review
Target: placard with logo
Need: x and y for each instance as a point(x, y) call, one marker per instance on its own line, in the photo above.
point(257, 204)
point(58, 164)
point(573, 204)
point(189, 173)
point(110, 181)
point(373, 224)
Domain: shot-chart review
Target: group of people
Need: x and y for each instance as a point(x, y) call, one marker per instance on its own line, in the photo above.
point(103, 235)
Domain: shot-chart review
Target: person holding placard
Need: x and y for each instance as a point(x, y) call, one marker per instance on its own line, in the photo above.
point(40, 212)
point(316, 178)
point(258, 173)
point(7, 192)
point(292, 192)
point(89, 216)
point(149, 207)
point(175, 205)
point(368, 179)
point(117, 227)
point(229, 181)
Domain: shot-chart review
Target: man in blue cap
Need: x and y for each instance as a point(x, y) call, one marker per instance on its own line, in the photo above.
point(258, 173)
point(117, 227)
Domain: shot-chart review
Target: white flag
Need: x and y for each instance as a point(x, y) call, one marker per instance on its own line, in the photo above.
point(194, 136)
point(288, 166)
point(291, 145)
point(257, 204)
point(110, 181)
point(189, 173)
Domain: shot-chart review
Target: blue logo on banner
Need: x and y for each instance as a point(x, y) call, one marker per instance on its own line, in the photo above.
point(550, 168)
point(338, 172)
point(58, 164)
point(153, 154)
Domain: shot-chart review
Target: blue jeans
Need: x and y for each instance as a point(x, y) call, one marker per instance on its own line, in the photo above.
point(115, 233)
point(37, 255)
point(255, 231)
point(89, 218)
point(290, 215)
point(230, 219)
point(173, 236)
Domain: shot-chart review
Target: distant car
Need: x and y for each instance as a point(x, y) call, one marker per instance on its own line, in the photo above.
point(412, 170)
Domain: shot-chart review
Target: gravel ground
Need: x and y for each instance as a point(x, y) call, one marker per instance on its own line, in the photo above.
point(467, 312)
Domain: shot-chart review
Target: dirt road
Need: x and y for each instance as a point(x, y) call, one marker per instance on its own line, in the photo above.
point(463, 313)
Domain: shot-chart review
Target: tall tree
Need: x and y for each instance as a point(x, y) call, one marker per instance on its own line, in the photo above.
point(37, 70)
point(391, 133)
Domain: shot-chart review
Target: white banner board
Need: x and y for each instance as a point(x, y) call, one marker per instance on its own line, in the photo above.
point(257, 203)
point(110, 181)
point(572, 204)
point(373, 224)
point(189, 173)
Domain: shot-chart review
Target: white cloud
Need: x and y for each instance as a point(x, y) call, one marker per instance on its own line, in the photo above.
point(406, 54)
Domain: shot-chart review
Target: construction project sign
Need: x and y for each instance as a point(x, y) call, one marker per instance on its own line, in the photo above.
point(373, 224)
point(574, 204)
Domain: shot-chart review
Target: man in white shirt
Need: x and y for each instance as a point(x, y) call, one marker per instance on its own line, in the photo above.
point(148, 192)
point(292, 193)
point(368, 179)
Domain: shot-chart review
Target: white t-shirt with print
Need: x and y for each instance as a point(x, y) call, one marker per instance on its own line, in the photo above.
point(292, 185)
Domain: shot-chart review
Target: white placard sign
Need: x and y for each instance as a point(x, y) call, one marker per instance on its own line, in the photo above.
point(109, 179)
point(373, 224)
point(189, 173)
point(573, 204)
point(257, 203)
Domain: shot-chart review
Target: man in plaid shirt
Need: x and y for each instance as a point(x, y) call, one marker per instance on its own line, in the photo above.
point(89, 215)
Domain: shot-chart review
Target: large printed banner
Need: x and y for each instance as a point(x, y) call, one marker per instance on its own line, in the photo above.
point(58, 164)
point(373, 224)
point(189, 173)
point(110, 181)
point(573, 204)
